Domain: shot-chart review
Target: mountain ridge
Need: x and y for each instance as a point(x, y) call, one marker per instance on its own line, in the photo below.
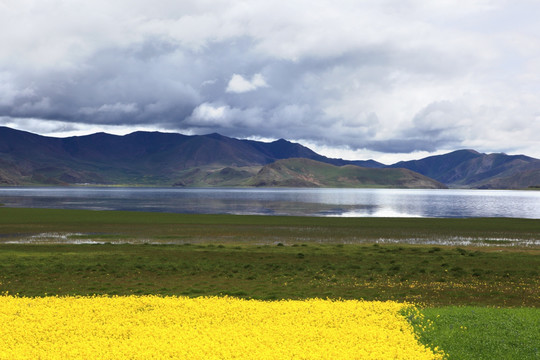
point(172, 159)
point(142, 158)
point(469, 168)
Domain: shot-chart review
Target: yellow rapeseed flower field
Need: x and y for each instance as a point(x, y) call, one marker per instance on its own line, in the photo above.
point(153, 327)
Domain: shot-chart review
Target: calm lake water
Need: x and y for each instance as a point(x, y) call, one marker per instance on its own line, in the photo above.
point(303, 202)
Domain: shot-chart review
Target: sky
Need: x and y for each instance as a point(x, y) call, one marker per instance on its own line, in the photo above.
point(387, 80)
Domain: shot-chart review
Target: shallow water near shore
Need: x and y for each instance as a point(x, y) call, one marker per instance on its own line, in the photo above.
point(92, 239)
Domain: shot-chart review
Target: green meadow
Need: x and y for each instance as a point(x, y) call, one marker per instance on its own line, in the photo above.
point(476, 280)
point(139, 227)
point(482, 333)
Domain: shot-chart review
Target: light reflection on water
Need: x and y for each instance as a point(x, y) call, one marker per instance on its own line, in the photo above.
point(389, 213)
point(290, 201)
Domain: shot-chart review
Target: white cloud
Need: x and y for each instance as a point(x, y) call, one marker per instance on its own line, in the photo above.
point(209, 114)
point(110, 108)
point(370, 76)
point(238, 84)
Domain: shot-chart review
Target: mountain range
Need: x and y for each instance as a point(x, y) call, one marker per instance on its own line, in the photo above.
point(471, 169)
point(169, 159)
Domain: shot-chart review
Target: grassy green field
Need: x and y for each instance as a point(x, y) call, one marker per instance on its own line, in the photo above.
point(433, 276)
point(460, 285)
point(480, 333)
point(36, 224)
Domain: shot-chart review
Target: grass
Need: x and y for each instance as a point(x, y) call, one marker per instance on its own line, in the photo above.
point(427, 275)
point(460, 287)
point(140, 226)
point(482, 333)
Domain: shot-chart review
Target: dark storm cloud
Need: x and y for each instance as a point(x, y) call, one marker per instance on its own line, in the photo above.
point(115, 86)
point(391, 77)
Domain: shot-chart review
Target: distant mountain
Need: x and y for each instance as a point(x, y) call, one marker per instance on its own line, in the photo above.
point(165, 159)
point(143, 158)
point(525, 179)
point(300, 172)
point(468, 168)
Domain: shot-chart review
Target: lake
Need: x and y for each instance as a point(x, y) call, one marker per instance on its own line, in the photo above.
point(284, 201)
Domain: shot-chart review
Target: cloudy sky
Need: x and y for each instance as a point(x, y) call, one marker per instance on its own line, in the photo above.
point(358, 79)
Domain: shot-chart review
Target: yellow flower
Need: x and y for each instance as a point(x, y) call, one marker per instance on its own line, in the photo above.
point(152, 327)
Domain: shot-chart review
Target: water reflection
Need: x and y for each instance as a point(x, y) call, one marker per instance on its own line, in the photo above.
point(374, 213)
point(302, 202)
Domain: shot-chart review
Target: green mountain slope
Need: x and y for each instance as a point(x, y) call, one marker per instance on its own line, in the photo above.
point(299, 172)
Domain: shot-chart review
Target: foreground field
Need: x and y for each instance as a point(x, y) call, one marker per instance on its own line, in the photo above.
point(152, 327)
point(58, 252)
point(427, 275)
point(482, 333)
